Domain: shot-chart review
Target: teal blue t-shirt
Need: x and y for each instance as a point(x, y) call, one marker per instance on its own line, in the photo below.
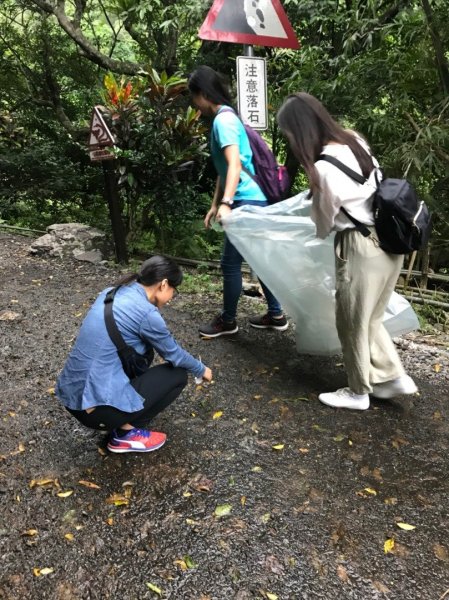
point(228, 130)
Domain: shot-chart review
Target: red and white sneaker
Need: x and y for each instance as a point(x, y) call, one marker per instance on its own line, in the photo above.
point(137, 440)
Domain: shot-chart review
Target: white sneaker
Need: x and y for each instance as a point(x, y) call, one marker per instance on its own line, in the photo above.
point(395, 387)
point(345, 398)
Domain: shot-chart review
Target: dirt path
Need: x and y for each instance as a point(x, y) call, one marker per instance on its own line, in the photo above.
point(307, 520)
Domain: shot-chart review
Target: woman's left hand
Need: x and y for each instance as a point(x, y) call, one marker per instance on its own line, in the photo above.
point(223, 211)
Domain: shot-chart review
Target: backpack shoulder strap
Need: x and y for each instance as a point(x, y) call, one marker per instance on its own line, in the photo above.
point(244, 169)
point(353, 175)
point(111, 325)
point(346, 170)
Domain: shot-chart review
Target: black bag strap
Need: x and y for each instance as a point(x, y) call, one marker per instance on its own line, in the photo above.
point(356, 177)
point(349, 172)
point(111, 325)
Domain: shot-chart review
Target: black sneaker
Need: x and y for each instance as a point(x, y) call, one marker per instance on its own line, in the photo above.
point(218, 327)
point(269, 322)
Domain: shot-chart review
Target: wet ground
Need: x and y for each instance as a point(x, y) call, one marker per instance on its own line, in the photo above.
point(310, 498)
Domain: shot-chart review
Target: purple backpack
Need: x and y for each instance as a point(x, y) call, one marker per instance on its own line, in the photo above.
point(273, 179)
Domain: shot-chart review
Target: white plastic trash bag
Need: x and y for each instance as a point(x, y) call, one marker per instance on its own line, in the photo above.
point(279, 244)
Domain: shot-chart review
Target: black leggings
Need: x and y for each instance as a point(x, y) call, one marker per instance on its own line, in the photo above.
point(159, 386)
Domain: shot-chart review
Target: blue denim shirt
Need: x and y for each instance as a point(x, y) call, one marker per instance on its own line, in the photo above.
point(93, 374)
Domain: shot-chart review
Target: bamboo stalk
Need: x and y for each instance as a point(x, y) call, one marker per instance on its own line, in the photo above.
point(410, 269)
point(418, 300)
point(436, 295)
point(425, 267)
point(17, 228)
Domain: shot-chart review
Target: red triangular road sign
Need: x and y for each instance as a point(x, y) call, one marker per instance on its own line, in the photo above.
point(258, 22)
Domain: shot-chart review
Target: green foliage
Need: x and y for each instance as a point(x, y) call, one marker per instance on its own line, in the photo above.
point(195, 282)
point(160, 144)
point(431, 318)
point(380, 66)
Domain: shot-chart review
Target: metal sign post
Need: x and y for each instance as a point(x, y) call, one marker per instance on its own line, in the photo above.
point(101, 141)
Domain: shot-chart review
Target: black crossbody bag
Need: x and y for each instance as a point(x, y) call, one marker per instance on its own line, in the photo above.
point(134, 364)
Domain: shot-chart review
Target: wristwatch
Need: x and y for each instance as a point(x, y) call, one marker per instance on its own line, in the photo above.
point(227, 200)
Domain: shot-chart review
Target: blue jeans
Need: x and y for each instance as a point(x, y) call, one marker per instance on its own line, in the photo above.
point(231, 265)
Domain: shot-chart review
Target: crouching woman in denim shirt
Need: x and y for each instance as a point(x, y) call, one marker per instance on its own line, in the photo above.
point(93, 385)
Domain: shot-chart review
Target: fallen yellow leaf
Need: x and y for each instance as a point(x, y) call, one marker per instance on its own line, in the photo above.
point(187, 494)
point(69, 536)
point(304, 450)
point(223, 510)
point(271, 596)
point(154, 589)
point(370, 491)
point(65, 494)
point(392, 500)
point(217, 414)
point(44, 571)
point(21, 447)
point(9, 315)
point(51, 391)
point(243, 500)
point(406, 526)
point(278, 446)
point(30, 532)
point(389, 545)
point(181, 564)
point(117, 500)
point(319, 428)
point(256, 469)
point(46, 481)
point(89, 484)
point(437, 368)
point(343, 574)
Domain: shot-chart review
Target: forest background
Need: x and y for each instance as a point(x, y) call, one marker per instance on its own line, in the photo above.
point(380, 66)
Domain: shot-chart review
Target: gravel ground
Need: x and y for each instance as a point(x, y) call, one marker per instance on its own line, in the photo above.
point(312, 494)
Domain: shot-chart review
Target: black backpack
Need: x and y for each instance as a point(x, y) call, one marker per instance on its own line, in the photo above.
point(402, 220)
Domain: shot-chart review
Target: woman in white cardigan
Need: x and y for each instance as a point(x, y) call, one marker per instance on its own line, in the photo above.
point(365, 274)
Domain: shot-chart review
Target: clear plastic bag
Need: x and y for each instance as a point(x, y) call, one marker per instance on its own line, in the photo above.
point(280, 245)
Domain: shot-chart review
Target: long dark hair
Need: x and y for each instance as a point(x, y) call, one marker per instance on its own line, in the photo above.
point(308, 127)
point(211, 84)
point(154, 270)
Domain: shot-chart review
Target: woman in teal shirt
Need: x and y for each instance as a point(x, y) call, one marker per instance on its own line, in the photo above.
point(232, 157)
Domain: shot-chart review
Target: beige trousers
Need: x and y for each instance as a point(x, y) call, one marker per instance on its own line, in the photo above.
point(365, 279)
